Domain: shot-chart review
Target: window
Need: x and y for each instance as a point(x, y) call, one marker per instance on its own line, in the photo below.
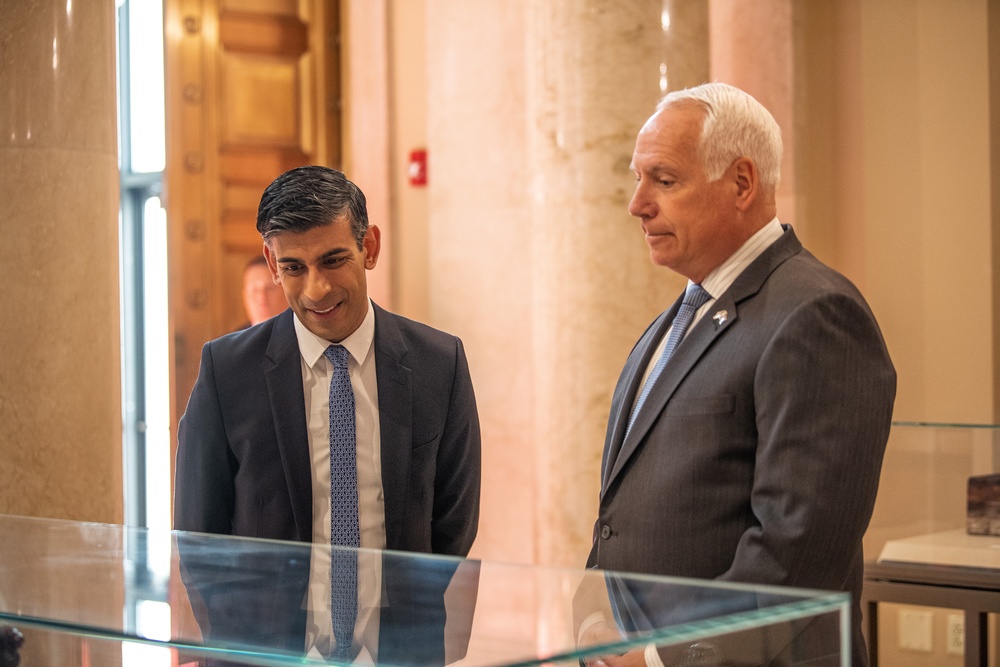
point(145, 351)
point(145, 366)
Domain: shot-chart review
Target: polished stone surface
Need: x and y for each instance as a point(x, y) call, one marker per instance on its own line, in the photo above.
point(60, 372)
point(534, 259)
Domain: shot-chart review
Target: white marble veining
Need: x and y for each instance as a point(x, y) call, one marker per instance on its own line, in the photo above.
point(535, 262)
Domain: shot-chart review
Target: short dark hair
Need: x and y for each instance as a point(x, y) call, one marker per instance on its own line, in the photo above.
point(307, 197)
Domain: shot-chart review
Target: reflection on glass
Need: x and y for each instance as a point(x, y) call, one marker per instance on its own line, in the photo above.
point(152, 622)
point(923, 489)
point(243, 601)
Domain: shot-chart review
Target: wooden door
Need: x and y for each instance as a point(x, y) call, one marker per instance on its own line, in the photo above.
point(252, 89)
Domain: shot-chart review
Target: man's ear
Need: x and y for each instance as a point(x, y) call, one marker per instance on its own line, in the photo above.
point(747, 179)
point(272, 263)
point(372, 244)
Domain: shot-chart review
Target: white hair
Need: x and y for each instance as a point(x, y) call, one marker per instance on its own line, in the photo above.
point(736, 125)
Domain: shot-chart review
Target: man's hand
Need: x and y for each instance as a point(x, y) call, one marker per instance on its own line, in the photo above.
point(604, 632)
point(634, 658)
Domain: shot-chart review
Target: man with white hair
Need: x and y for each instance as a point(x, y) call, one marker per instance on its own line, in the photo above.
point(748, 426)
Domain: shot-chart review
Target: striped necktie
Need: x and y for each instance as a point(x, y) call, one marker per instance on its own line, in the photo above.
point(694, 298)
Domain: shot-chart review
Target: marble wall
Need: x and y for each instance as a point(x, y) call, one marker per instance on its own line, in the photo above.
point(532, 258)
point(532, 114)
point(60, 400)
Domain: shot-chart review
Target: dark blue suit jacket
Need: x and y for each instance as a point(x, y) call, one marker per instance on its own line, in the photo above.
point(243, 469)
point(243, 451)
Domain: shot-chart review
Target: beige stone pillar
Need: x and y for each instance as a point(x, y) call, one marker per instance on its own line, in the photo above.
point(366, 132)
point(597, 71)
point(480, 267)
point(60, 405)
point(534, 260)
point(752, 48)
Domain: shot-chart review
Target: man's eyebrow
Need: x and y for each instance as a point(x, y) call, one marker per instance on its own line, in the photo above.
point(654, 170)
point(333, 252)
point(660, 169)
point(329, 253)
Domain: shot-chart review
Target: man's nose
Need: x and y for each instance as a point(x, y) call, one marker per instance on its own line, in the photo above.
point(640, 203)
point(317, 286)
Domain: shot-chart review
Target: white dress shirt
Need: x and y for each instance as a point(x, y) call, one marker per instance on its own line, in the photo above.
point(316, 375)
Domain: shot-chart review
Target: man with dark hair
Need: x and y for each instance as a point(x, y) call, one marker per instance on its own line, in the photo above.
point(336, 421)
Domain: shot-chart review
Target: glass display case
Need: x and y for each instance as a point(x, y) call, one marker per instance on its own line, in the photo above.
point(925, 473)
point(75, 593)
point(920, 552)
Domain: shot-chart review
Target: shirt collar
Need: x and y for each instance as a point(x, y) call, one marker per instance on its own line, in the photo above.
point(358, 344)
point(719, 280)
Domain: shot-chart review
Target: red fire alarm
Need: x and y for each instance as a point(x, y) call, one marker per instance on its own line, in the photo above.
point(418, 167)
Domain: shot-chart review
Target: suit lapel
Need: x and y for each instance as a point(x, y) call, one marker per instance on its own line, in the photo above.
point(629, 386)
point(690, 351)
point(395, 407)
point(687, 354)
point(284, 388)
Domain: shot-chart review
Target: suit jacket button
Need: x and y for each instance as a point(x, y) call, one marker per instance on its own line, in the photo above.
point(605, 531)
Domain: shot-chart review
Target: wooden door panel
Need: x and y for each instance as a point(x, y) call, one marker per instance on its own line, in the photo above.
point(261, 101)
point(251, 90)
point(264, 7)
point(261, 33)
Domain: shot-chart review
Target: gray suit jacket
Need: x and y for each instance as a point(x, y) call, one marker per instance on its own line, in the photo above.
point(756, 457)
point(243, 452)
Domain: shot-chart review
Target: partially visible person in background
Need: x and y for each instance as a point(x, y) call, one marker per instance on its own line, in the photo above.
point(262, 298)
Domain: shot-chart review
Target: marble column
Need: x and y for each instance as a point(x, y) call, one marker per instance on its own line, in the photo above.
point(752, 48)
point(60, 402)
point(597, 70)
point(535, 262)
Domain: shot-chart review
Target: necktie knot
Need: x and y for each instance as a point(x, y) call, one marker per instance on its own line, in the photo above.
point(696, 296)
point(337, 354)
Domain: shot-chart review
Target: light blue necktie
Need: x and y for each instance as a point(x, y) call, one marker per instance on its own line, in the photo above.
point(344, 525)
point(694, 298)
